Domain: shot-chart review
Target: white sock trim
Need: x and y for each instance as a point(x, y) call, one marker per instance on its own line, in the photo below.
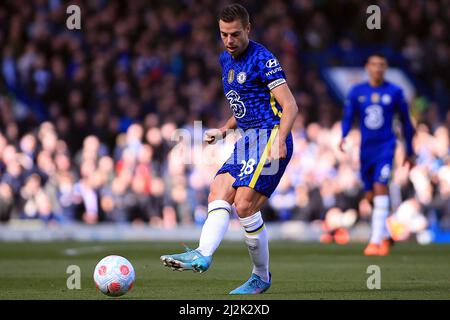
point(381, 202)
point(216, 205)
point(252, 224)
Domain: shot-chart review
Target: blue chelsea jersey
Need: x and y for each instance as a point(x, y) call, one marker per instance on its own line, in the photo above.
point(376, 107)
point(247, 82)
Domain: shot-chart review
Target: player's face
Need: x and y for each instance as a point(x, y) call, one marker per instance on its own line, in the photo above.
point(376, 67)
point(234, 36)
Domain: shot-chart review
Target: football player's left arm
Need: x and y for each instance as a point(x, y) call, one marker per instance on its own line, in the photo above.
point(347, 119)
point(407, 128)
point(284, 96)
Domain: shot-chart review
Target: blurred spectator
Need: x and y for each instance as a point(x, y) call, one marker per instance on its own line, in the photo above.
point(6, 202)
point(88, 117)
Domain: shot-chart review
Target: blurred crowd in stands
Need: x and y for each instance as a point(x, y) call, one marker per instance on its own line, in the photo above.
point(87, 116)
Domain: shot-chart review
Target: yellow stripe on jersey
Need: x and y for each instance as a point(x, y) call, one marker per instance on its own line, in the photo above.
point(263, 159)
point(274, 108)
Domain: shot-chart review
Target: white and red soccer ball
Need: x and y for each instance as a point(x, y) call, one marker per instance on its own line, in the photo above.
point(114, 276)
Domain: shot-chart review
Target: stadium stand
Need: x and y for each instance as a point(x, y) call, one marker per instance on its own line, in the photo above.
point(88, 116)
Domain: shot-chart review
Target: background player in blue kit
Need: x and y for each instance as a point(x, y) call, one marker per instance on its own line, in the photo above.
point(264, 108)
point(376, 102)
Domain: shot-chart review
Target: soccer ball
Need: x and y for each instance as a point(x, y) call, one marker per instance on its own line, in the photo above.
point(114, 276)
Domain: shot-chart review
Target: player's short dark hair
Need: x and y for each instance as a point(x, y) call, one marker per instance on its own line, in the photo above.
point(376, 54)
point(234, 12)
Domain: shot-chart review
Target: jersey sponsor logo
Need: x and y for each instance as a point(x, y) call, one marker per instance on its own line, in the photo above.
point(386, 99)
point(241, 77)
point(374, 117)
point(272, 63)
point(276, 83)
point(230, 76)
point(236, 104)
point(273, 71)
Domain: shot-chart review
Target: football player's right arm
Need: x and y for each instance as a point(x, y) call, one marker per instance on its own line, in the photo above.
point(407, 127)
point(347, 120)
point(231, 124)
point(213, 135)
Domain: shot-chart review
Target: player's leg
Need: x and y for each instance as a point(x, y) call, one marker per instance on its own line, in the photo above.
point(220, 199)
point(367, 175)
point(368, 195)
point(248, 203)
point(219, 208)
point(253, 189)
point(381, 209)
point(379, 240)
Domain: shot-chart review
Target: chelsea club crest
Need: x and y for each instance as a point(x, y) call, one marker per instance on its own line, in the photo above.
point(241, 77)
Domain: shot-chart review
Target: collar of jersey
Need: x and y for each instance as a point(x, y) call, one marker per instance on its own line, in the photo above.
point(245, 53)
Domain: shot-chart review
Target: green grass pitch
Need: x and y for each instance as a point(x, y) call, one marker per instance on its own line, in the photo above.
point(299, 271)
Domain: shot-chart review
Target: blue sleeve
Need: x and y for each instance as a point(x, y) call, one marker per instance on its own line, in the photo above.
point(407, 127)
point(271, 72)
point(349, 113)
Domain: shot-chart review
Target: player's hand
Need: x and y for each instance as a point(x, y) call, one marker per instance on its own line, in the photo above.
point(90, 218)
point(409, 161)
point(213, 135)
point(278, 149)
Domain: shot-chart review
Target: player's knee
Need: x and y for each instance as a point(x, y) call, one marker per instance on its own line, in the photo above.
point(369, 196)
point(212, 196)
point(221, 191)
point(243, 207)
point(380, 189)
point(215, 192)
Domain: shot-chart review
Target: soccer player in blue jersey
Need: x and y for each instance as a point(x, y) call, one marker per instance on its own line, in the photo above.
point(376, 102)
point(264, 109)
